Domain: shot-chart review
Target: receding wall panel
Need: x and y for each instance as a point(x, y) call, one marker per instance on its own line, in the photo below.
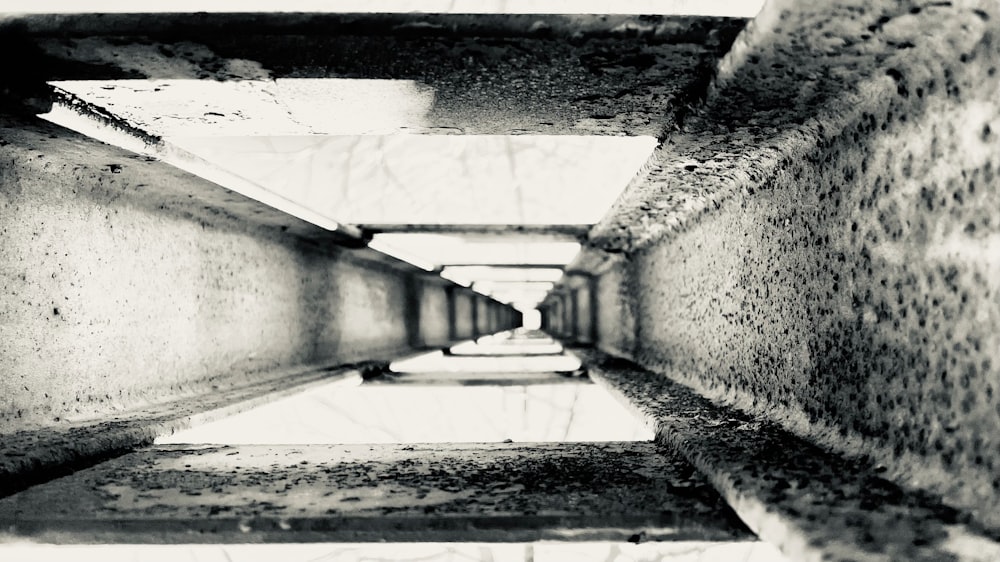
point(121, 284)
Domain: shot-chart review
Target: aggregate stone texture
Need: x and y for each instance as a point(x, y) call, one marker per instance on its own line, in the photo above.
point(613, 75)
point(31, 454)
point(125, 282)
point(801, 75)
point(849, 291)
point(493, 492)
point(811, 503)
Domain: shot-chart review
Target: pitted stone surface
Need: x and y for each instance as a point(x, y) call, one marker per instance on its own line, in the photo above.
point(801, 75)
point(377, 492)
point(125, 282)
point(848, 288)
point(35, 453)
point(592, 75)
point(813, 504)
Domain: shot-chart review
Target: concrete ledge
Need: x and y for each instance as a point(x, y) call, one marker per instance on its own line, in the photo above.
point(492, 492)
point(37, 454)
point(812, 504)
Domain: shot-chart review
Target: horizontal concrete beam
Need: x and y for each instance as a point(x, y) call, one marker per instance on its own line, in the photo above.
point(478, 378)
point(490, 74)
point(812, 504)
point(815, 246)
point(652, 28)
point(471, 492)
point(799, 76)
point(37, 453)
point(512, 233)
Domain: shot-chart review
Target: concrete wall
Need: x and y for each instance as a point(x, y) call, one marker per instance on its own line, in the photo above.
point(616, 323)
point(581, 314)
point(433, 303)
point(122, 283)
point(852, 295)
point(464, 327)
point(482, 316)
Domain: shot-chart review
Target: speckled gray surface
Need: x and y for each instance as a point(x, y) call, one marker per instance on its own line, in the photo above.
point(125, 282)
point(377, 492)
point(798, 78)
point(502, 74)
point(812, 504)
point(829, 261)
point(34, 453)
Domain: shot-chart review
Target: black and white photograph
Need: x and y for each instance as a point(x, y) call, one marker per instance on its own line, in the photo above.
point(500, 281)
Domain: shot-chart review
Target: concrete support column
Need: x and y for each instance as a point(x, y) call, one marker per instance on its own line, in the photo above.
point(464, 310)
point(452, 313)
point(412, 292)
point(482, 316)
point(583, 317)
point(595, 302)
point(495, 324)
point(474, 314)
point(567, 315)
point(581, 311)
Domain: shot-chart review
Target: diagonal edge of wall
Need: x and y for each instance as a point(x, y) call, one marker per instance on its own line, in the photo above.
point(127, 282)
point(849, 293)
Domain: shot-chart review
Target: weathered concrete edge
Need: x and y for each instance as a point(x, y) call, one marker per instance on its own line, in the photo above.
point(32, 456)
point(749, 170)
point(676, 504)
point(652, 28)
point(744, 482)
point(473, 529)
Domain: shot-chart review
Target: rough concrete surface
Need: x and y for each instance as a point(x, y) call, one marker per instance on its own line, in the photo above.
point(115, 296)
point(482, 315)
point(844, 282)
point(610, 491)
point(800, 75)
point(490, 74)
point(433, 305)
point(464, 319)
point(33, 454)
point(615, 314)
point(812, 504)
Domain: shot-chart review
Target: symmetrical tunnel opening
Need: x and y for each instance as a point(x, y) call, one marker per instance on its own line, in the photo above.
point(458, 204)
point(515, 386)
point(504, 216)
point(500, 280)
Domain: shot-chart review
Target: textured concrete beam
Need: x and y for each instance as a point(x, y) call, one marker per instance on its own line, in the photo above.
point(488, 492)
point(479, 378)
point(800, 76)
point(135, 295)
point(70, 111)
point(603, 75)
point(812, 504)
point(845, 288)
point(37, 453)
point(513, 233)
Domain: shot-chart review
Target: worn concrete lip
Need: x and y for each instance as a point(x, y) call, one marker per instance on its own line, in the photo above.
point(725, 8)
point(542, 551)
